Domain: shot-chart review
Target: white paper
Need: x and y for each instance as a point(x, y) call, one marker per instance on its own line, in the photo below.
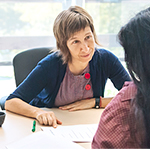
point(40, 140)
point(76, 133)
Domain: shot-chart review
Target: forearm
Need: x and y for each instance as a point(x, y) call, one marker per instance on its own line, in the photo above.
point(105, 101)
point(20, 107)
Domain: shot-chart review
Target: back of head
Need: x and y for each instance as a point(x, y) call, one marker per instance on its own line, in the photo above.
point(69, 22)
point(135, 39)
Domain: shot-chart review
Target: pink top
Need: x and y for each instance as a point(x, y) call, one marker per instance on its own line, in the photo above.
point(113, 129)
point(74, 88)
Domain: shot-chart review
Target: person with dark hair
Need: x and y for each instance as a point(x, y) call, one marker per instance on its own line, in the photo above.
point(73, 77)
point(125, 122)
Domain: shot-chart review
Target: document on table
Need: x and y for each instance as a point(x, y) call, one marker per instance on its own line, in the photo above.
point(41, 140)
point(76, 133)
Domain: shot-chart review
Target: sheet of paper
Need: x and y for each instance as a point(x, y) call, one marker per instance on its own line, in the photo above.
point(76, 133)
point(40, 140)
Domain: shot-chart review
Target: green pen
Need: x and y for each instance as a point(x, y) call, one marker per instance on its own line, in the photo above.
point(34, 125)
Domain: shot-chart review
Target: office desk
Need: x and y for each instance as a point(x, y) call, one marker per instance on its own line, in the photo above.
point(16, 127)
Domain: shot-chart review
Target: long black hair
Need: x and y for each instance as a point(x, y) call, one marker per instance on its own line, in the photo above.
point(135, 39)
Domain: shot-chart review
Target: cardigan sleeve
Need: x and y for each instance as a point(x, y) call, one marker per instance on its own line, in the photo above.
point(32, 85)
point(115, 70)
point(42, 84)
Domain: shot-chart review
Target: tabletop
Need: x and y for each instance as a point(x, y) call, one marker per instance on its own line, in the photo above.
point(16, 126)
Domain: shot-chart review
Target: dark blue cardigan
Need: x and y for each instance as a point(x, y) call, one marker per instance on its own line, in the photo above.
point(40, 88)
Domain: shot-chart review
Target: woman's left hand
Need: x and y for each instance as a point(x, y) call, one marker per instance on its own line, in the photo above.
point(86, 104)
point(80, 105)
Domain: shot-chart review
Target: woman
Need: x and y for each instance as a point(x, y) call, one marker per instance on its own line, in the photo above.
point(125, 122)
point(73, 77)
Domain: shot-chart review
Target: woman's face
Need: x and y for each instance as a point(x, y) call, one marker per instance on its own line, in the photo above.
point(81, 46)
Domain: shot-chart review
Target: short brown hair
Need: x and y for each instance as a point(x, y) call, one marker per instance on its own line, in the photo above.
point(66, 24)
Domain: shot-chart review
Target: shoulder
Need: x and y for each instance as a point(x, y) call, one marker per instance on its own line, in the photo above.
point(117, 111)
point(103, 55)
point(107, 60)
point(52, 60)
point(123, 98)
point(103, 52)
point(128, 91)
point(114, 121)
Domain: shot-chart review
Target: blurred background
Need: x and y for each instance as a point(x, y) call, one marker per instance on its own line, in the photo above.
point(26, 24)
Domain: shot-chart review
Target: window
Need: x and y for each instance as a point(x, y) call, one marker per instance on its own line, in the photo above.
point(29, 23)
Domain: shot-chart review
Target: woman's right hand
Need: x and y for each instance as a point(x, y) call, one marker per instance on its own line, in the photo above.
point(47, 118)
point(18, 106)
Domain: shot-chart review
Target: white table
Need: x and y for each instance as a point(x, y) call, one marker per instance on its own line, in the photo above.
point(16, 127)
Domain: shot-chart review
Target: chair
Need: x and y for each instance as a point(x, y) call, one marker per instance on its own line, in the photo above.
point(25, 61)
point(23, 64)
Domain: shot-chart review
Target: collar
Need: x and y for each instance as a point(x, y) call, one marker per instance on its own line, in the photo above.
point(128, 91)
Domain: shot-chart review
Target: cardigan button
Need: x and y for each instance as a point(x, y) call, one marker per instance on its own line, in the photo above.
point(87, 76)
point(87, 87)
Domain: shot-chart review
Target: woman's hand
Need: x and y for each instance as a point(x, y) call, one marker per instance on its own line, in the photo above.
point(85, 104)
point(105, 101)
point(20, 107)
point(47, 118)
point(80, 105)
